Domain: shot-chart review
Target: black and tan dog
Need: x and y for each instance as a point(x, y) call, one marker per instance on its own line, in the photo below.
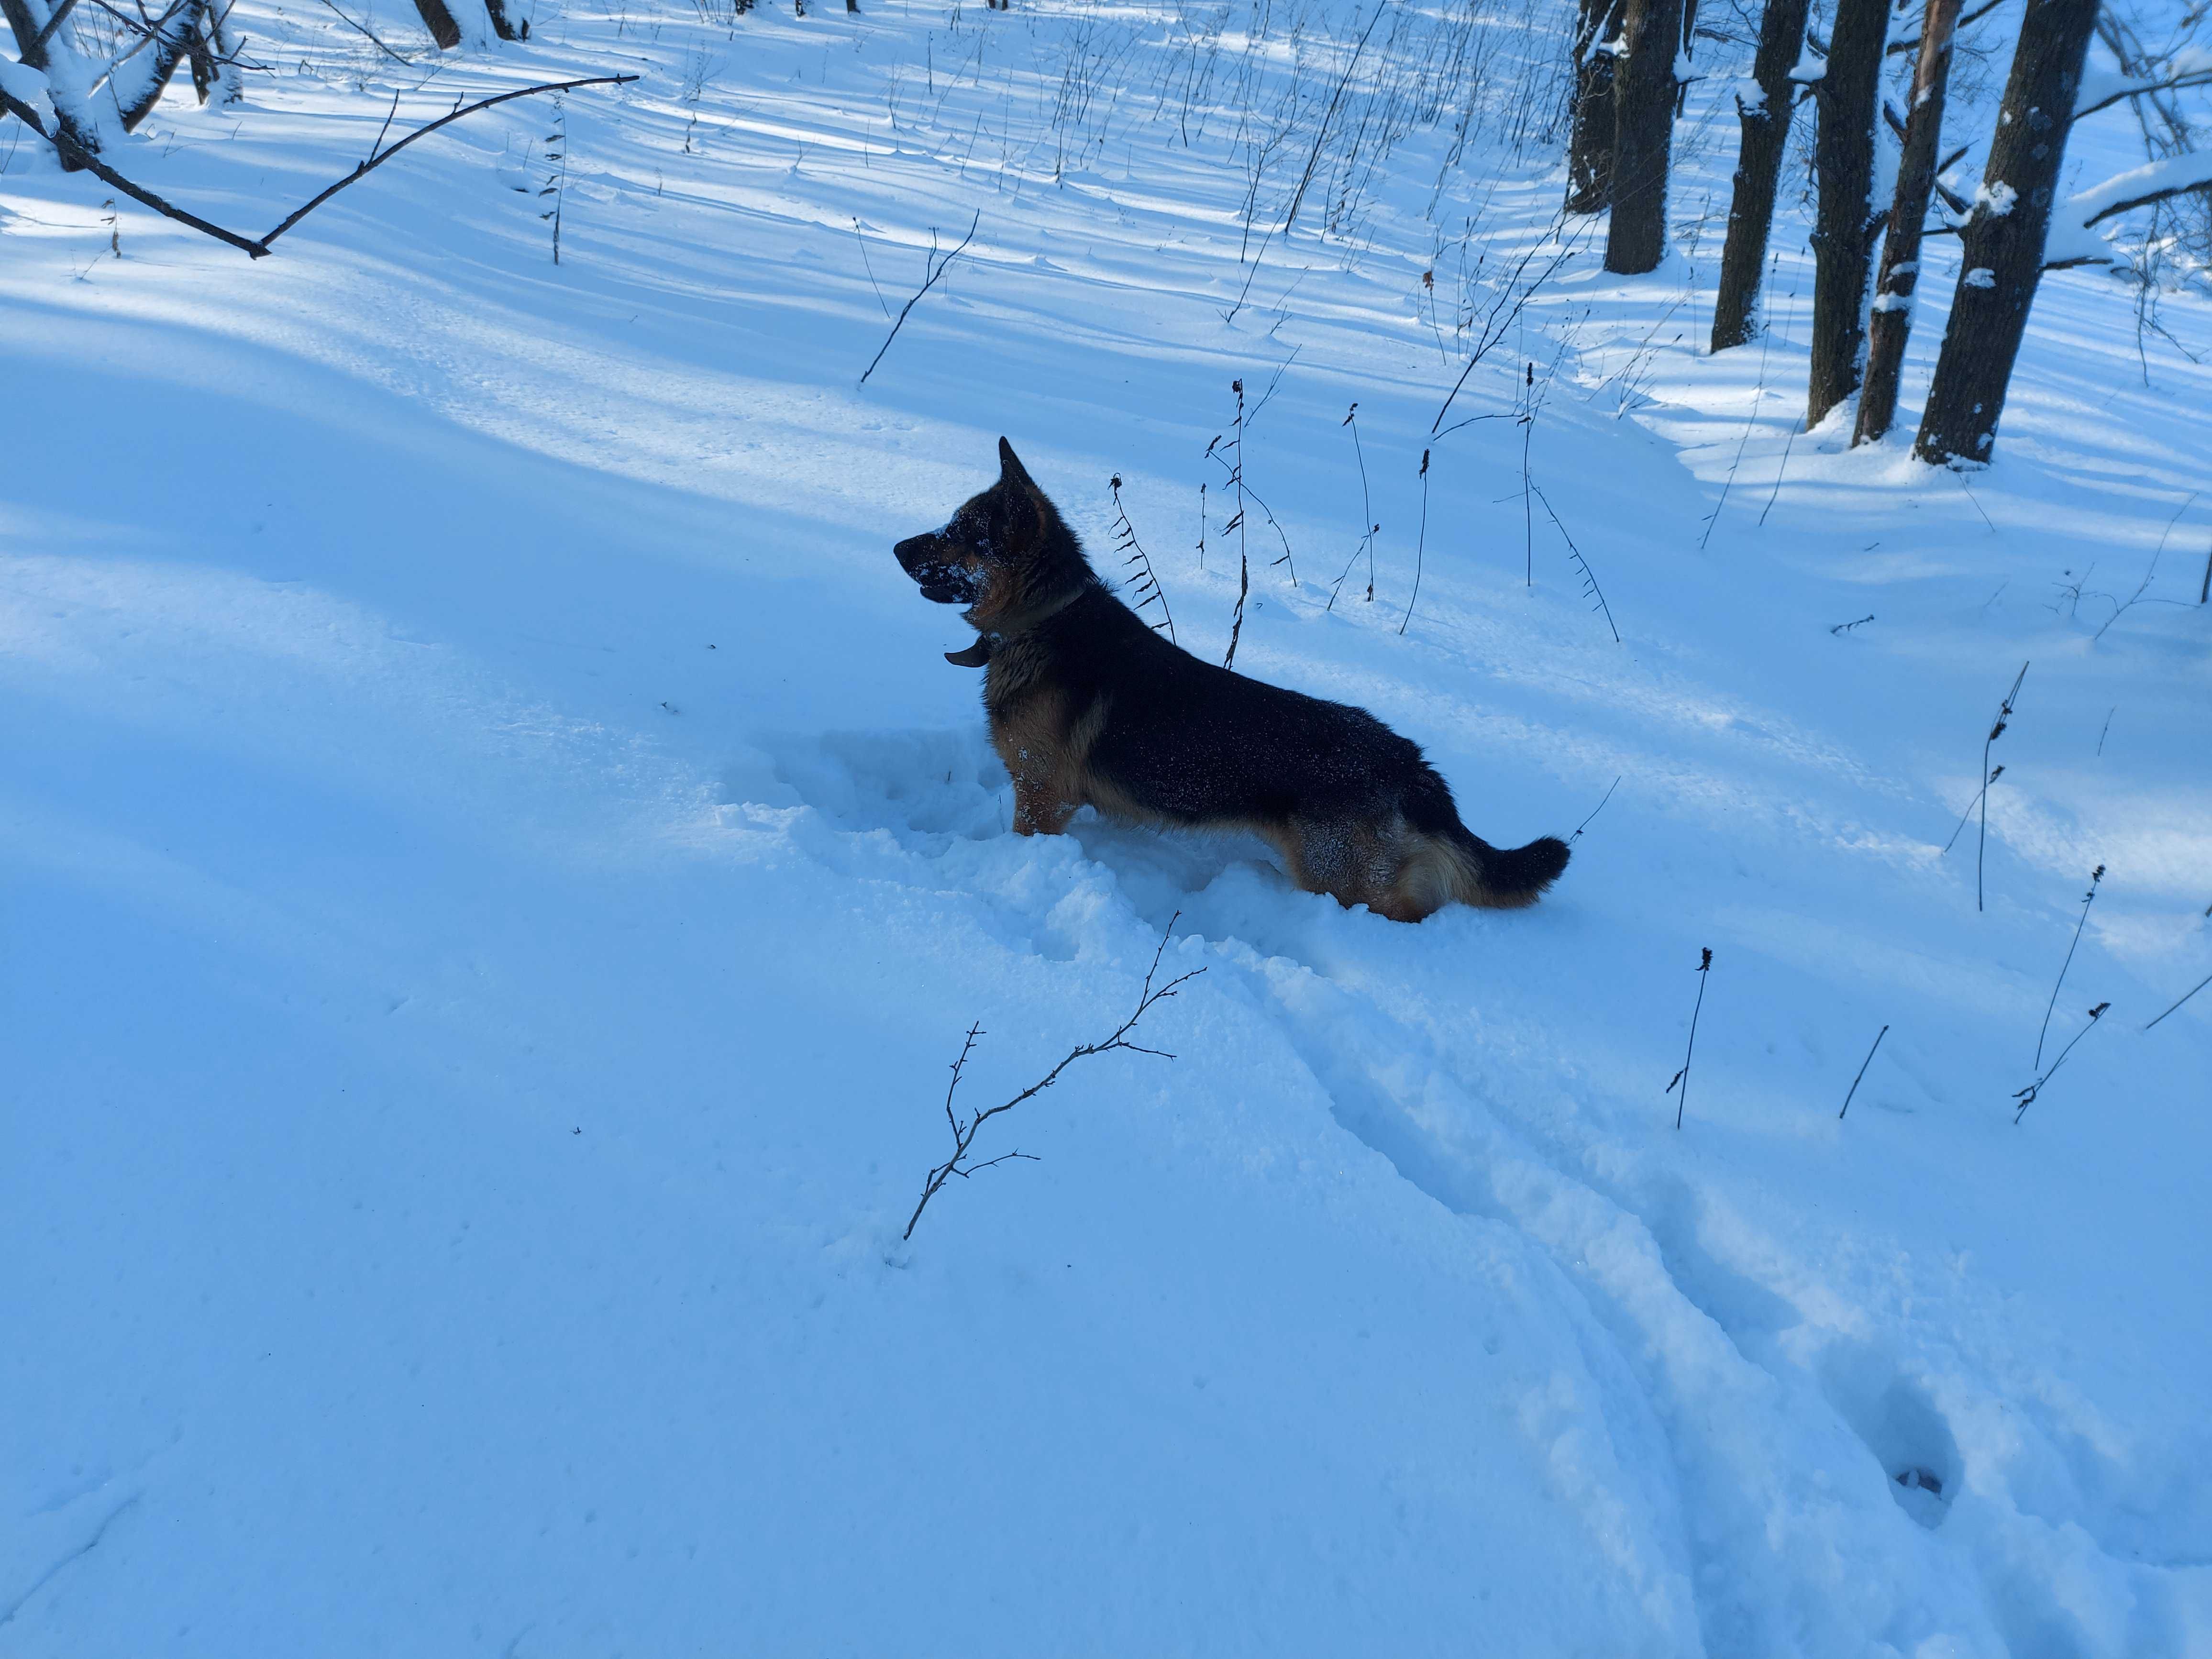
point(1089, 707)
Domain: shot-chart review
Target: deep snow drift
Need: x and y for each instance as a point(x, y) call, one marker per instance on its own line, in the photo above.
point(496, 868)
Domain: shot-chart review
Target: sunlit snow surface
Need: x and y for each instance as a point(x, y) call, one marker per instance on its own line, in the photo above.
point(496, 868)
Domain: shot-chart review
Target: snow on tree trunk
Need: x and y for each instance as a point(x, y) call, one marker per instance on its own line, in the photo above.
point(139, 80)
point(1643, 134)
point(229, 80)
point(1764, 114)
point(1843, 222)
point(1892, 322)
point(2003, 242)
point(1590, 143)
point(69, 77)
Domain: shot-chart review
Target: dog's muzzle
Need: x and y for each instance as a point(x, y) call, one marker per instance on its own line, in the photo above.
point(942, 580)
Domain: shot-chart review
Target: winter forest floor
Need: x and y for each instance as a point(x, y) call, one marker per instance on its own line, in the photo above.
point(496, 868)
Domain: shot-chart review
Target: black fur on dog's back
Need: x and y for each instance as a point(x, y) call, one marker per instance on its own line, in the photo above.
point(1088, 706)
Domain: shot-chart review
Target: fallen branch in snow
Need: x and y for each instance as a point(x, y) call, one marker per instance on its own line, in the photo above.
point(2026, 1097)
point(254, 248)
point(933, 268)
point(1863, 1064)
point(2087, 899)
point(964, 1134)
point(1682, 1077)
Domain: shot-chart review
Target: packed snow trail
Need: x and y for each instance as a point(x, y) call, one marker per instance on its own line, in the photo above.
point(497, 865)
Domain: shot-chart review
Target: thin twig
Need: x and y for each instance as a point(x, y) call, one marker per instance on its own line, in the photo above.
point(1421, 547)
point(964, 1134)
point(382, 156)
point(1682, 1077)
point(866, 265)
point(1147, 586)
point(365, 29)
point(2087, 899)
point(1996, 731)
point(934, 268)
point(2184, 997)
point(71, 150)
point(1594, 812)
point(1589, 577)
point(2026, 1097)
point(1863, 1064)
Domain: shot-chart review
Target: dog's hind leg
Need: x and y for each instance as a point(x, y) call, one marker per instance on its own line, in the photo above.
point(1346, 860)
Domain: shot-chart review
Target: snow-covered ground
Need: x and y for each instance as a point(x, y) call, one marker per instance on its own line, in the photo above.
point(496, 868)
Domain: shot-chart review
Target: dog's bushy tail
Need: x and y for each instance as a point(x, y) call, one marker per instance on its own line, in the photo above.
point(1505, 878)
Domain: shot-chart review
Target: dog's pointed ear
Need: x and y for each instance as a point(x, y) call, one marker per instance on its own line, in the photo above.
point(1011, 469)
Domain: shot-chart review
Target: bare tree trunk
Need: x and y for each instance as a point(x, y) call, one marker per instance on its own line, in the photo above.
point(437, 18)
point(1643, 134)
point(1758, 172)
point(1892, 324)
point(1844, 223)
point(138, 80)
point(2004, 240)
point(505, 27)
point(1590, 143)
point(50, 51)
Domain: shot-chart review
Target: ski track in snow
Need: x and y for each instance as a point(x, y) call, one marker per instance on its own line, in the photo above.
point(496, 864)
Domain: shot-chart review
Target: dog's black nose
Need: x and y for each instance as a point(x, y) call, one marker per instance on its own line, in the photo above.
point(912, 551)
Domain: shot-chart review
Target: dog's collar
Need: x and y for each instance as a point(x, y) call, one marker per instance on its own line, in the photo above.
point(1029, 620)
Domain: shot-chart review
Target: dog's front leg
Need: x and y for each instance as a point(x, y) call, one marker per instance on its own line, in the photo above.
point(1039, 807)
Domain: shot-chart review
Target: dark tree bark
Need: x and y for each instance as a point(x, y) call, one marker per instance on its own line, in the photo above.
point(1844, 220)
point(1643, 134)
point(437, 18)
point(1892, 322)
point(504, 25)
point(1758, 172)
point(36, 44)
point(1589, 142)
point(2004, 240)
point(138, 82)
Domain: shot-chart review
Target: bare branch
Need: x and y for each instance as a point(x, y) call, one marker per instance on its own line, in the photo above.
point(964, 1133)
point(935, 269)
point(73, 151)
point(2146, 89)
point(365, 29)
point(2144, 200)
point(382, 156)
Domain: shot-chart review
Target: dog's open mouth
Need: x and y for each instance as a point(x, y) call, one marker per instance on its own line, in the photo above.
point(938, 595)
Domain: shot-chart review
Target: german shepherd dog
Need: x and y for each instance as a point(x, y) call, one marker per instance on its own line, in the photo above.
point(1089, 707)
